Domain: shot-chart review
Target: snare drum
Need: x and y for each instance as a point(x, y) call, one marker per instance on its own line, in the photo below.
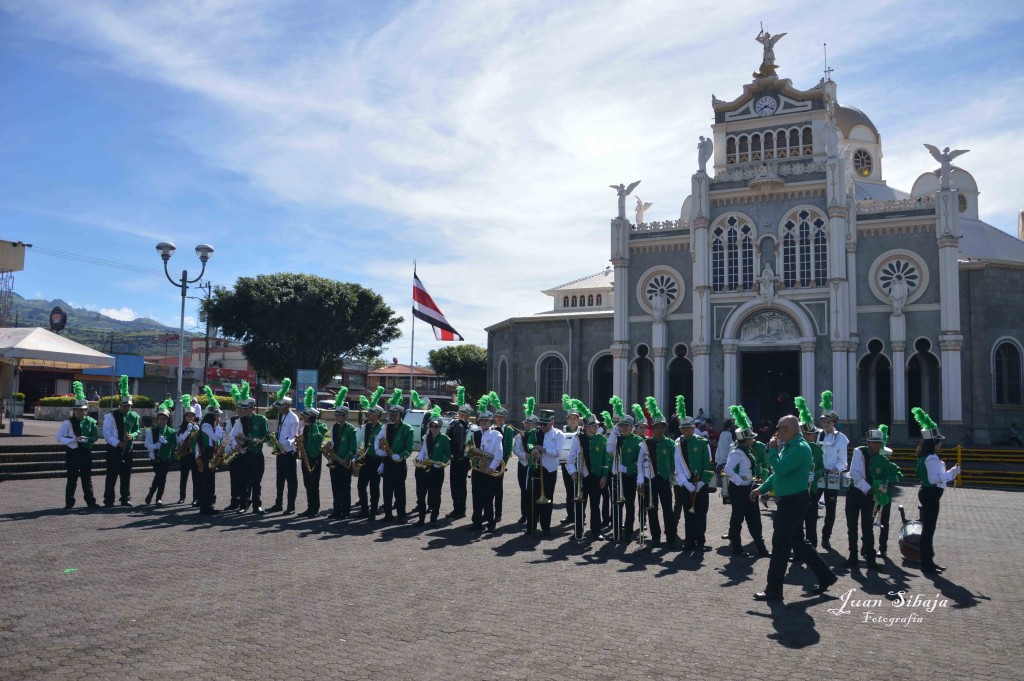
point(832, 481)
point(844, 480)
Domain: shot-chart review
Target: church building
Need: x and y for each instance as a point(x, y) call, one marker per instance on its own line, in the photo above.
point(793, 268)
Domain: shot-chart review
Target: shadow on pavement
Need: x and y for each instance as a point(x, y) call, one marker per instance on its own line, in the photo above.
point(794, 626)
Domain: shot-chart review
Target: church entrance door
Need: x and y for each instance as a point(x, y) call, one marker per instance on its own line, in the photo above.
point(769, 381)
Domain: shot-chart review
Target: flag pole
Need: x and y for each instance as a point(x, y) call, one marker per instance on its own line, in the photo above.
point(412, 350)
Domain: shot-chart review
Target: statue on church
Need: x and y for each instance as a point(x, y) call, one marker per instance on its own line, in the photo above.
point(641, 208)
point(768, 66)
point(704, 151)
point(945, 158)
point(659, 305)
point(623, 191)
point(766, 284)
point(898, 293)
point(832, 133)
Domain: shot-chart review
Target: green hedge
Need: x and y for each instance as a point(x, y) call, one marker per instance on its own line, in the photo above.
point(140, 401)
point(19, 397)
point(226, 402)
point(57, 402)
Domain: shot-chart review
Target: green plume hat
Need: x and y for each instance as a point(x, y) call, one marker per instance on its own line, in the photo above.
point(496, 407)
point(461, 404)
point(585, 413)
point(618, 408)
point(417, 401)
point(212, 405)
point(483, 407)
point(236, 394)
point(79, 390)
point(739, 415)
point(528, 407)
point(244, 400)
point(186, 402)
point(340, 406)
point(395, 402)
point(805, 417)
point(371, 403)
point(165, 407)
point(655, 411)
point(568, 406)
point(929, 429)
point(885, 434)
point(122, 388)
point(638, 415)
point(684, 420)
point(607, 419)
point(282, 399)
point(309, 402)
point(827, 412)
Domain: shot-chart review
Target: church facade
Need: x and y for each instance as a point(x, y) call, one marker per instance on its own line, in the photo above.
point(793, 268)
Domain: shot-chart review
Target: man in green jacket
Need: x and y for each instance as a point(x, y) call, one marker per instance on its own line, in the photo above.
point(394, 445)
point(791, 461)
point(78, 434)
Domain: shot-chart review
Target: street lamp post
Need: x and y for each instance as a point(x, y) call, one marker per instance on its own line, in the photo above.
point(166, 250)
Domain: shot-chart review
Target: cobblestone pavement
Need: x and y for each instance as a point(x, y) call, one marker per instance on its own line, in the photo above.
point(162, 594)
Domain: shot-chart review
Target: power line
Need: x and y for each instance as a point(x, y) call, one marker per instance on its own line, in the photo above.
point(77, 257)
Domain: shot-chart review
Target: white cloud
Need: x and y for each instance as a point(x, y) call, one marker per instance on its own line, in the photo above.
point(124, 314)
point(484, 136)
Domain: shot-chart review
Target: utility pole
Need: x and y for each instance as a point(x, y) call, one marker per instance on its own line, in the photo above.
point(206, 360)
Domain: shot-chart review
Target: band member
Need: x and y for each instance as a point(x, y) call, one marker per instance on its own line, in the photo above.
point(523, 469)
point(571, 430)
point(696, 454)
point(78, 434)
point(120, 427)
point(835, 446)
point(343, 443)
point(931, 471)
point(489, 442)
point(210, 436)
point(236, 473)
point(741, 469)
point(885, 474)
point(394, 445)
point(187, 463)
point(663, 466)
point(860, 501)
point(508, 436)
point(791, 463)
point(368, 480)
point(544, 446)
point(626, 449)
point(436, 450)
point(248, 434)
point(809, 529)
point(287, 429)
point(459, 470)
point(590, 466)
point(313, 432)
point(160, 442)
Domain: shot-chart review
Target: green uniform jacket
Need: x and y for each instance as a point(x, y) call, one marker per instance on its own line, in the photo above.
point(132, 425)
point(315, 439)
point(664, 456)
point(883, 472)
point(508, 436)
point(343, 435)
point(698, 459)
point(442, 449)
point(818, 457)
point(790, 468)
point(600, 459)
point(402, 444)
point(922, 471)
point(259, 428)
point(762, 470)
point(629, 452)
point(167, 449)
point(371, 453)
point(90, 430)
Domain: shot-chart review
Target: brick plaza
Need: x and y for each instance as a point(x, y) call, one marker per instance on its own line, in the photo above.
point(165, 594)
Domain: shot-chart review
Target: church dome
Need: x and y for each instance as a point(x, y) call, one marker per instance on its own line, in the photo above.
point(848, 118)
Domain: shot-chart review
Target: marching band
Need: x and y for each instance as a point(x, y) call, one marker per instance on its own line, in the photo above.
point(610, 470)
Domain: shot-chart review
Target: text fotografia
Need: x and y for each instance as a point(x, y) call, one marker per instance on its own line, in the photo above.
point(910, 608)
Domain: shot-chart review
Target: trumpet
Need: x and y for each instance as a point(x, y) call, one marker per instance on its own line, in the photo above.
point(620, 497)
point(693, 494)
point(427, 464)
point(359, 461)
point(186, 447)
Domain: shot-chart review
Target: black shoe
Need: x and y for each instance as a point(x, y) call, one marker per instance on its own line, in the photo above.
point(258, 510)
point(149, 498)
point(762, 550)
point(823, 586)
point(881, 552)
point(69, 505)
point(497, 519)
point(276, 508)
point(689, 546)
point(765, 596)
point(474, 527)
point(127, 503)
point(93, 504)
point(288, 511)
point(401, 519)
point(195, 503)
point(490, 527)
point(655, 542)
point(825, 544)
point(421, 522)
point(181, 500)
point(737, 551)
point(931, 568)
point(851, 562)
point(450, 515)
point(547, 532)
point(159, 502)
point(522, 520)
point(597, 536)
point(108, 504)
point(873, 565)
point(433, 522)
point(334, 515)
point(232, 507)
point(725, 536)
point(566, 520)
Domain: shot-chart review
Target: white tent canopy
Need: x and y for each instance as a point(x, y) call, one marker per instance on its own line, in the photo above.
point(36, 347)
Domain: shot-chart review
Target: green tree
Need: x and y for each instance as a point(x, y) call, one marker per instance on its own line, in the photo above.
point(466, 364)
point(293, 321)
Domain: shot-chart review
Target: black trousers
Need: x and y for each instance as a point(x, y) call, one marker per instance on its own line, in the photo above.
point(809, 528)
point(483, 498)
point(395, 473)
point(786, 537)
point(459, 473)
point(341, 489)
point(860, 509)
point(883, 531)
point(627, 510)
point(286, 474)
point(311, 481)
point(570, 492)
point(696, 523)
point(206, 480)
point(78, 464)
point(433, 481)
point(522, 473)
point(743, 509)
point(540, 480)
point(592, 496)
point(368, 486)
point(420, 479)
point(236, 473)
point(188, 465)
point(662, 495)
point(160, 468)
point(499, 494)
point(831, 495)
point(119, 465)
point(606, 505)
point(929, 499)
point(253, 467)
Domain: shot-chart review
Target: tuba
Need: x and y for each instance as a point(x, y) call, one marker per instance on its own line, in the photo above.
point(480, 461)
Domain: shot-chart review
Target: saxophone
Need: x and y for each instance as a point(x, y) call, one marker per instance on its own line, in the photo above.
point(300, 447)
point(275, 445)
point(217, 460)
point(186, 447)
point(327, 452)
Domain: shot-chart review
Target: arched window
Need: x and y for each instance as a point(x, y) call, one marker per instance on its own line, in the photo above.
point(1006, 374)
point(769, 145)
point(551, 380)
point(598, 299)
point(804, 249)
point(808, 149)
point(565, 301)
point(755, 147)
point(794, 142)
point(744, 148)
point(590, 301)
point(732, 254)
point(574, 301)
point(730, 149)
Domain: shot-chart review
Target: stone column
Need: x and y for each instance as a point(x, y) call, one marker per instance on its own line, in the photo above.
point(947, 231)
point(807, 369)
point(659, 335)
point(840, 367)
point(898, 341)
point(730, 376)
point(701, 378)
point(621, 230)
point(701, 333)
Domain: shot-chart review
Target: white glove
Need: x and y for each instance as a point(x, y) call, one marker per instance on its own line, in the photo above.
point(151, 454)
point(954, 471)
point(193, 426)
point(162, 440)
point(395, 457)
point(700, 485)
point(437, 465)
point(688, 485)
point(622, 469)
point(74, 443)
point(380, 469)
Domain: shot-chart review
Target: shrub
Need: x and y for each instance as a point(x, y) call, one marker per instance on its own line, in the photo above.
point(226, 402)
point(19, 397)
point(270, 413)
point(140, 401)
point(61, 401)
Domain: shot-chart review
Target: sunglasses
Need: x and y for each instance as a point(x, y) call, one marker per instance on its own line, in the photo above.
point(435, 426)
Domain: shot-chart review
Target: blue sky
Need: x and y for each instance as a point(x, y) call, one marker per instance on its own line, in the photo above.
point(348, 138)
